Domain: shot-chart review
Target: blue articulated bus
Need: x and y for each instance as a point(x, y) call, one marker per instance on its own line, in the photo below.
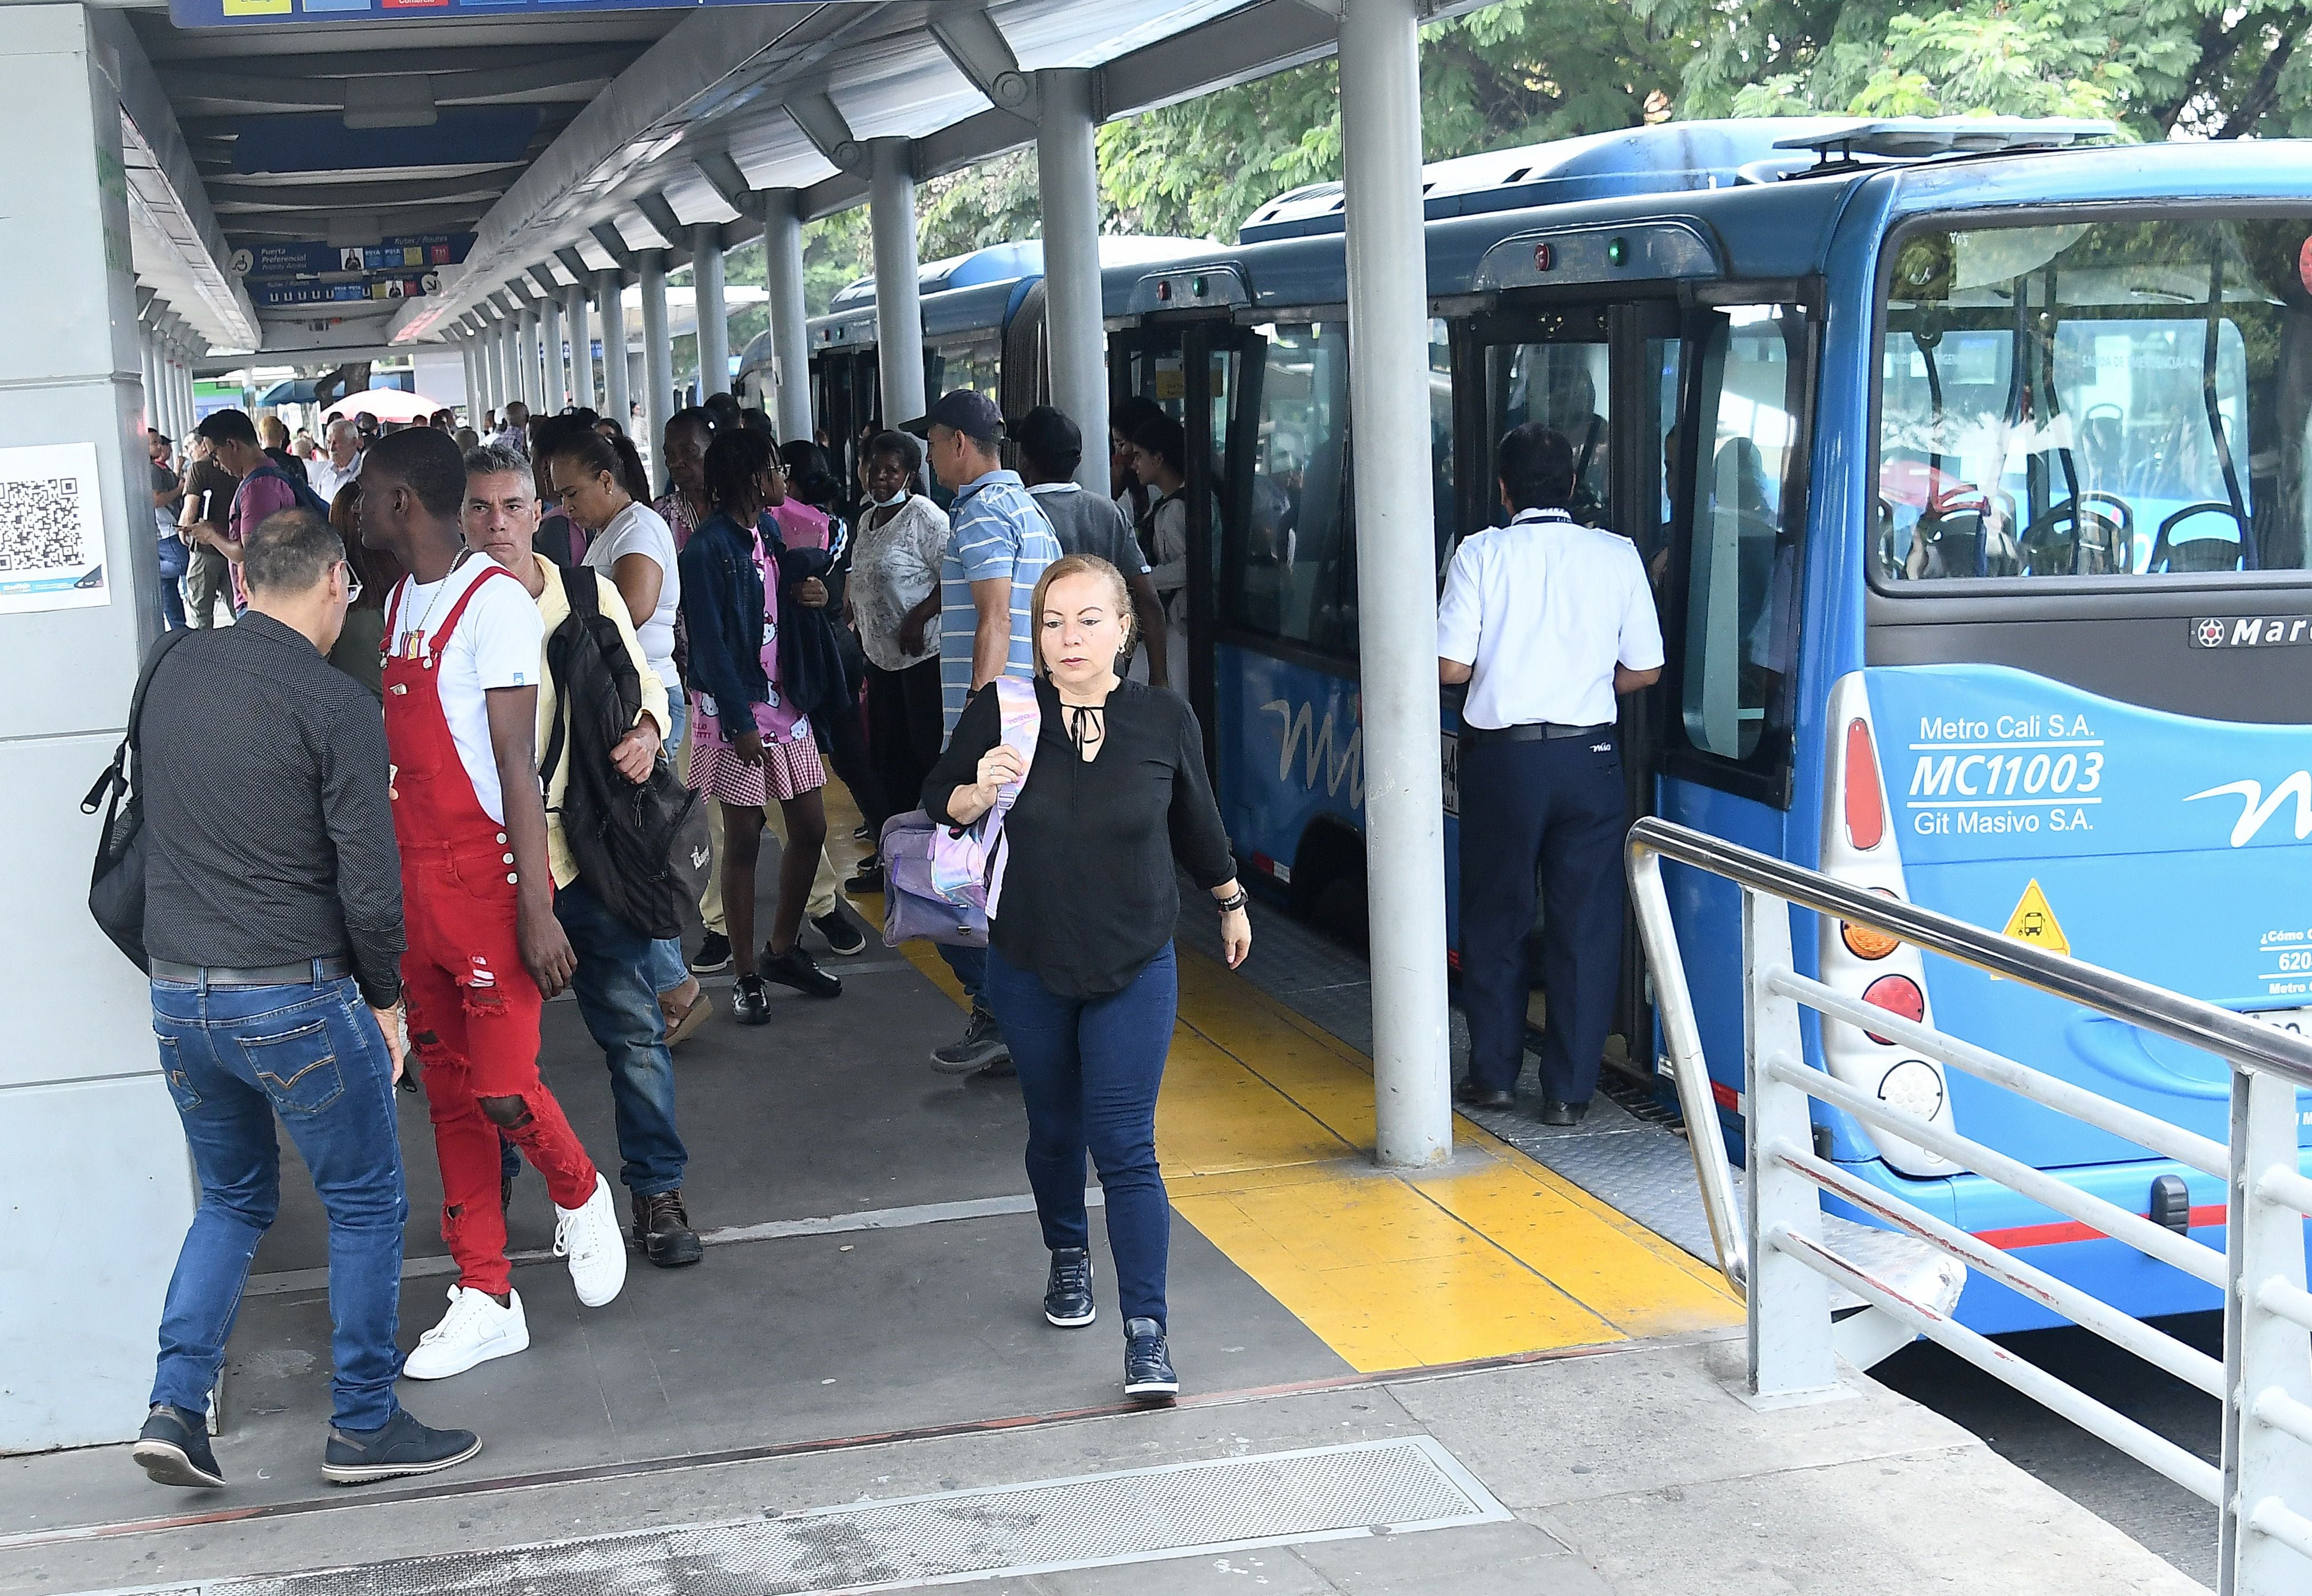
point(1973, 463)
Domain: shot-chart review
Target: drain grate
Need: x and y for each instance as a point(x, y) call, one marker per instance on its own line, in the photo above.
point(1331, 1492)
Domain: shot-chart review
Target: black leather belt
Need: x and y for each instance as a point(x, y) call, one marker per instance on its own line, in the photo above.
point(1533, 731)
point(304, 972)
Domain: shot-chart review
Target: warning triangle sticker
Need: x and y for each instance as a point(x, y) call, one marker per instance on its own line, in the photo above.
point(2034, 922)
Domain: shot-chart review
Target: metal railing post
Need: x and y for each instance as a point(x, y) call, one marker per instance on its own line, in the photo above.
point(1790, 1350)
point(2267, 1372)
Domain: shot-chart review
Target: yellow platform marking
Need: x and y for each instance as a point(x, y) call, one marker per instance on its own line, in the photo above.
point(1265, 1129)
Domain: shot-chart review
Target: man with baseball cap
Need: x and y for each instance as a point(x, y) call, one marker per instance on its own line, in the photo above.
point(999, 543)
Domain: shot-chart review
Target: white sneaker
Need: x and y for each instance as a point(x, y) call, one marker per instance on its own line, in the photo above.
point(590, 1238)
point(474, 1330)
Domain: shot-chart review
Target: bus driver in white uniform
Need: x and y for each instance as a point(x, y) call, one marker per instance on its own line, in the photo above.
point(1548, 621)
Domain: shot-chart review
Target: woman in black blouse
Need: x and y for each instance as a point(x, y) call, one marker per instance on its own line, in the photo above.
point(1080, 970)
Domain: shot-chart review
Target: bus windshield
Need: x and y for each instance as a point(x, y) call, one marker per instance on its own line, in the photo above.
point(2106, 398)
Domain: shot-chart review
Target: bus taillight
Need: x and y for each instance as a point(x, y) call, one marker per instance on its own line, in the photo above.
point(1899, 995)
point(1866, 810)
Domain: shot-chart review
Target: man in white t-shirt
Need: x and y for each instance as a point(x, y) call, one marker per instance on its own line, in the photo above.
point(462, 645)
point(1548, 621)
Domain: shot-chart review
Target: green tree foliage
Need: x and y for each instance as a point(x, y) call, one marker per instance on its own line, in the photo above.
point(2198, 68)
point(1515, 73)
point(1525, 71)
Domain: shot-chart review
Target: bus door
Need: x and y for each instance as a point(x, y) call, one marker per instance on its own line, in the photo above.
point(1194, 368)
point(1608, 379)
point(1730, 596)
point(845, 395)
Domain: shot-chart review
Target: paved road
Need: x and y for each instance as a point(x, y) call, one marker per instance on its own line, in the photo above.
point(2164, 1517)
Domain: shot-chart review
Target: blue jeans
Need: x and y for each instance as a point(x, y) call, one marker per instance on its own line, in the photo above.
point(970, 967)
point(234, 1057)
point(1089, 1070)
point(175, 559)
point(619, 1004)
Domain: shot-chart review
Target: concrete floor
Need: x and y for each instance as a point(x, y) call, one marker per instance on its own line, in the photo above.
point(902, 1353)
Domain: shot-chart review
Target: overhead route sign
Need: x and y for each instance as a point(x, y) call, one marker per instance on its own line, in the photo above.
point(221, 14)
point(411, 253)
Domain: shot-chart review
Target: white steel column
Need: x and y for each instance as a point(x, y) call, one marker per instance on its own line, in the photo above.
point(898, 296)
point(611, 305)
point(713, 312)
point(556, 393)
point(472, 379)
point(581, 346)
point(789, 327)
point(494, 353)
point(152, 388)
point(1389, 407)
point(94, 1177)
point(531, 388)
point(1067, 165)
point(658, 352)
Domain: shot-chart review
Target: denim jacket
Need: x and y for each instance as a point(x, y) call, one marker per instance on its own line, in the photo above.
point(723, 613)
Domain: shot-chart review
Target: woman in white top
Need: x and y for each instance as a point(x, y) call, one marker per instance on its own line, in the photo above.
point(895, 574)
point(631, 544)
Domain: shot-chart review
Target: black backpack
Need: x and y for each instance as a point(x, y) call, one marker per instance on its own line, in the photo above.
point(115, 888)
point(641, 850)
point(307, 499)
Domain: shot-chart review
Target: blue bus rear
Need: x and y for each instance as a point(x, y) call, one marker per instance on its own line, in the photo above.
point(1975, 490)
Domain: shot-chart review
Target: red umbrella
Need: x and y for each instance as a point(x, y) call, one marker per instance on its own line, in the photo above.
point(386, 403)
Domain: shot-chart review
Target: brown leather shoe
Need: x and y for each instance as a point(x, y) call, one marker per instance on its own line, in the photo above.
point(683, 1019)
point(662, 1230)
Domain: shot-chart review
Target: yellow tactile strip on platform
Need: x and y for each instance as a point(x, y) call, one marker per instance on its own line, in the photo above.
point(1265, 1129)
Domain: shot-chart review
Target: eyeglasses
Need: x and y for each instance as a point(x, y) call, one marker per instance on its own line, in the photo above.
point(353, 582)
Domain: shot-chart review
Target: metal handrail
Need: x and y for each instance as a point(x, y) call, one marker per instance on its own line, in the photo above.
point(2189, 1020)
point(1778, 1256)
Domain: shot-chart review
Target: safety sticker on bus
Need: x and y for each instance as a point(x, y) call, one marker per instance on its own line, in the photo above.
point(2034, 921)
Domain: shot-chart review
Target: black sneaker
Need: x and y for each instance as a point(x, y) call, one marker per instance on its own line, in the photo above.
point(662, 1230)
point(404, 1446)
point(173, 1448)
point(714, 954)
point(981, 1044)
point(1067, 1291)
point(870, 879)
point(797, 969)
point(1148, 1374)
point(863, 833)
point(749, 1003)
point(843, 937)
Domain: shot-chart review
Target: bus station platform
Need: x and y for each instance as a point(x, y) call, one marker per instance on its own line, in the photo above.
point(1481, 1378)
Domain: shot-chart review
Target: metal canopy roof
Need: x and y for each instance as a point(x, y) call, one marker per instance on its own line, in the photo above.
point(571, 140)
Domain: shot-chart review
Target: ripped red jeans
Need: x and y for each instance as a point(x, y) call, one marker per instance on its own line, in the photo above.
point(473, 1021)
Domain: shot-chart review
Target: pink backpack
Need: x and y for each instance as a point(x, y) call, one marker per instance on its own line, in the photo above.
point(945, 883)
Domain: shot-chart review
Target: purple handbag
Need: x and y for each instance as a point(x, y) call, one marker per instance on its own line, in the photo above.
point(942, 883)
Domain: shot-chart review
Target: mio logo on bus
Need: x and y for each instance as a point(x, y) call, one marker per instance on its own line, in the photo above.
point(1327, 755)
point(2016, 773)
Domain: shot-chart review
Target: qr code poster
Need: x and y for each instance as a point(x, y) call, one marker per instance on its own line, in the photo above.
point(51, 528)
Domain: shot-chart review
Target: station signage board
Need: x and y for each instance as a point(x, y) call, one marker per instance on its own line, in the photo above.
point(412, 254)
point(270, 296)
point(223, 13)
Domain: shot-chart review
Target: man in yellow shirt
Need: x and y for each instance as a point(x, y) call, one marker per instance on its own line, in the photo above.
point(612, 984)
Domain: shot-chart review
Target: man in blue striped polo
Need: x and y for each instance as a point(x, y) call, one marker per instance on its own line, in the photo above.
point(998, 546)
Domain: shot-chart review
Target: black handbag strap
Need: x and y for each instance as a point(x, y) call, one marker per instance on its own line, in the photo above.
point(584, 604)
point(118, 772)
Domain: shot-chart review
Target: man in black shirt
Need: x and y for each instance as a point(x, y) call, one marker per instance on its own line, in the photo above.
point(273, 919)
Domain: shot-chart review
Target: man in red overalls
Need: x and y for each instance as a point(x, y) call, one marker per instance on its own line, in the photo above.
point(462, 645)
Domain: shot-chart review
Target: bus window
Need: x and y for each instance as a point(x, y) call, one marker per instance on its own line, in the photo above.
point(2095, 399)
point(1742, 572)
point(976, 363)
point(1299, 582)
point(1563, 385)
point(1444, 489)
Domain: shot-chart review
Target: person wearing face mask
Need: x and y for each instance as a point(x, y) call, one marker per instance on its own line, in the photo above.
point(1080, 963)
point(895, 567)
